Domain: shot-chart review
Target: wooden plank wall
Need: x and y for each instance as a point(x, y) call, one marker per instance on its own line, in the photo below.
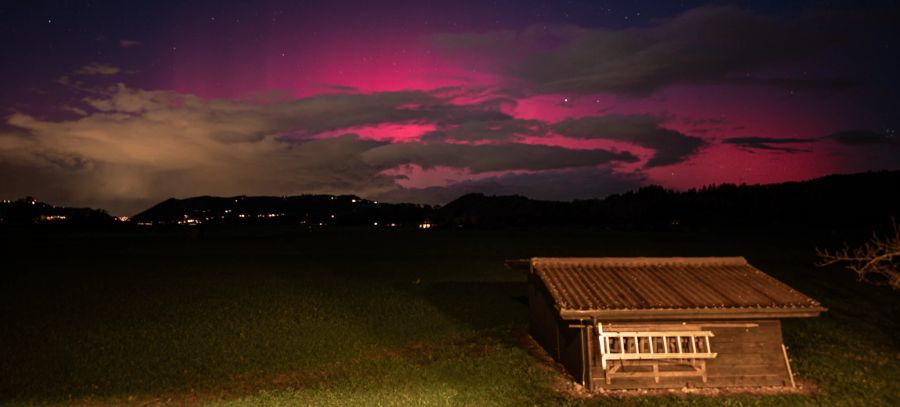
point(543, 324)
point(570, 345)
point(551, 332)
point(749, 355)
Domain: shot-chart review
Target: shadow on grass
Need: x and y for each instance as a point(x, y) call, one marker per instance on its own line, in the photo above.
point(481, 305)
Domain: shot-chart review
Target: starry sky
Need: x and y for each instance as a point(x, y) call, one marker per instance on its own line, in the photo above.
point(119, 105)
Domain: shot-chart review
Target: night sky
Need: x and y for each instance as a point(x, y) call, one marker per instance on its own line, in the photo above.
point(119, 105)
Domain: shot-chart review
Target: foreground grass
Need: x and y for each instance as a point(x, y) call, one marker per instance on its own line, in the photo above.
point(366, 319)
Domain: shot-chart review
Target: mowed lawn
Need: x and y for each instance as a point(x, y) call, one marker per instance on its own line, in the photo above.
point(364, 317)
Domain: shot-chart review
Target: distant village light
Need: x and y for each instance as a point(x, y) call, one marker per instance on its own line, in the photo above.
point(48, 218)
point(425, 225)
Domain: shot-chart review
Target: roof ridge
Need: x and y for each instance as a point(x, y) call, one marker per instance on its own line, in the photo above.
point(725, 260)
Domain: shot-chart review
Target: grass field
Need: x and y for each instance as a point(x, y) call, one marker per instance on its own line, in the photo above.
point(367, 318)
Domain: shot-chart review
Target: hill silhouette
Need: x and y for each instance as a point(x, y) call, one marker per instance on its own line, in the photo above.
point(29, 211)
point(862, 201)
point(854, 201)
point(303, 209)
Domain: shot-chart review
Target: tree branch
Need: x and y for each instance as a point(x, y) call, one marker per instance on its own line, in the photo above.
point(875, 261)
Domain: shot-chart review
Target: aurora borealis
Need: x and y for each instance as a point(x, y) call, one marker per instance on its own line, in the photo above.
point(122, 105)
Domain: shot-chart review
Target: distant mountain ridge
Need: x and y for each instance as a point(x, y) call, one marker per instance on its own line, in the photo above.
point(864, 200)
point(319, 210)
point(28, 211)
point(855, 201)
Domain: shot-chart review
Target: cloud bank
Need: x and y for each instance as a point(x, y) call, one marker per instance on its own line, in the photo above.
point(702, 45)
point(769, 143)
point(671, 147)
point(134, 147)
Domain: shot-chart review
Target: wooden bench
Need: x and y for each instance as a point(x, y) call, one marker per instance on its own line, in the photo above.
point(688, 349)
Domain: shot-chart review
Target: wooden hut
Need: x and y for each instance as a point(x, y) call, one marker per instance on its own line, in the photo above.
point(619, 323)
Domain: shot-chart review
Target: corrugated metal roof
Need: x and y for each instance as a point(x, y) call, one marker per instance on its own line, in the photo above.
point(609, 285)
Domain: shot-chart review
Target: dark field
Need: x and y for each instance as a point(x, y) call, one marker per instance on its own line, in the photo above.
point(368, 318)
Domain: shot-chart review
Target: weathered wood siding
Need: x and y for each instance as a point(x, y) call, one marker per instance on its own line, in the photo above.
point(551, 332)
point(749, 355)
point(543, 321)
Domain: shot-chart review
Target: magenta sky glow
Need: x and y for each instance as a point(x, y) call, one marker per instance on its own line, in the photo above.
point(425, 103)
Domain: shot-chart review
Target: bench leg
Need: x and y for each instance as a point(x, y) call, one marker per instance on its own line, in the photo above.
point(613, 368)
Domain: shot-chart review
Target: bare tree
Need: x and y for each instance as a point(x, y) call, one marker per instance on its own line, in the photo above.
point(875, 261)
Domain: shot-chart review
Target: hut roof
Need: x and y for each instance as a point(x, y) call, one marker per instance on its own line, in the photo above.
point(642, 288)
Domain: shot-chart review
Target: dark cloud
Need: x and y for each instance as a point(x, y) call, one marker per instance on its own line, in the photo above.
point(95, 68)
point(136, 147)
point(702, 45)
point(229, 137)
point(490, 157)
point(132, 148)
point(824, 84)
point(863, 150)
point(329, 112)
point(557, 185)
point(670, 146)
point(300, 118)
point(863, 137)
point(449, 115)
point(487, 130)
point(769, 143)
point(331, 165)
point(709, 121)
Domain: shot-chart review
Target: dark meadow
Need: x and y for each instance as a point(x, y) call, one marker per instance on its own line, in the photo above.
point(272, 310)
